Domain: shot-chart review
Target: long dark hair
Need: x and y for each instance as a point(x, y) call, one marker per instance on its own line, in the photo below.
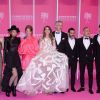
point(0, 44)
point(50, 34)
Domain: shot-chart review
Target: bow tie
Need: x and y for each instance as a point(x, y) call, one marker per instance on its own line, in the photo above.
point(86, 38)
point(57, 32)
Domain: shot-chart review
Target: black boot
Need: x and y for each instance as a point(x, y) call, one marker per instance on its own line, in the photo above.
point(14, 91)
point(8, 90)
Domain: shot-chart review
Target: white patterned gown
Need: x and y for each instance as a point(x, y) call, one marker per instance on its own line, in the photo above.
point(46, 73)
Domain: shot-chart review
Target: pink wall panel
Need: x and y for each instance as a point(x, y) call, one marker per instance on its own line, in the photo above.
point(4, 17)
point(22, 13)
point(68, 13)
point(44, 11)
point(89, 15)
point(45, 14)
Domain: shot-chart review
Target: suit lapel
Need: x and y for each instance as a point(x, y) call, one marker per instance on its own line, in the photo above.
point(97, 39)
point(83, 43)
point(61, 38)
point(55, 39)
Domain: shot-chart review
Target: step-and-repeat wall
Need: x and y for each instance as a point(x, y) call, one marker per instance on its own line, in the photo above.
point(38, 13)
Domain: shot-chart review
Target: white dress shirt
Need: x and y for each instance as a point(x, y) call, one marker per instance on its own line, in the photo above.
point(86, 42)
point(98, 39)
point(71, 42)
point(58, 37)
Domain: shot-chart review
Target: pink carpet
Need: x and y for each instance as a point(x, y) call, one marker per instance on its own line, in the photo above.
point(67, 96)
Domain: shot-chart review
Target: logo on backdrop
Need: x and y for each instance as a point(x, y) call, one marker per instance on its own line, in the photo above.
point(87, 17)
point(67, 18)
point(44, 17)
point(22, 17)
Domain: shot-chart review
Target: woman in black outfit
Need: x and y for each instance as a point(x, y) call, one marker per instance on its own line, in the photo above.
point(13, 70)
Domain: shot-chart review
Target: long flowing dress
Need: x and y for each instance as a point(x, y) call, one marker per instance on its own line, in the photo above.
point(46, 73)
point(12, 60)
point(28, 49)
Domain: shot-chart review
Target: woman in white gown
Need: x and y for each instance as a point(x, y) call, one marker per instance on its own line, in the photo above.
point(48, 71)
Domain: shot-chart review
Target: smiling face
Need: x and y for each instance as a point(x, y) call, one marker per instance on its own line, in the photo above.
point(86, 32)
point(58, 26)
point(28, 32)
point(72, 33)
point(13, 33)
point(47, 31)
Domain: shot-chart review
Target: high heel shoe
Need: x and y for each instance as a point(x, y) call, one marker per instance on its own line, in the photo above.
point(14, 91)
point(8, 90)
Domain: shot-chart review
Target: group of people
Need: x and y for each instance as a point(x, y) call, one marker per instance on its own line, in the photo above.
point(42, 66)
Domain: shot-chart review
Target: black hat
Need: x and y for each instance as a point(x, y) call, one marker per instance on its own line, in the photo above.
point(13, 27)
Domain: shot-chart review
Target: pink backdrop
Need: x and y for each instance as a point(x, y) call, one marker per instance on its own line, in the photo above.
point(22, 13)
point(4, 17)
point(43, 12)
point(89, 15)
point(68, 13)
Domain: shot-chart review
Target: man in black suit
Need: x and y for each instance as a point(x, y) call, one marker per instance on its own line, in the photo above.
point(60, 37)
point(96, 41)
point(72, 53)
point(85, 51)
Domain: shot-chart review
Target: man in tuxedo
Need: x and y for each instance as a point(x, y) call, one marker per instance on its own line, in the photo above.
point(60, 37)
point(85, 51)
point(72, 53)
point(96, 41)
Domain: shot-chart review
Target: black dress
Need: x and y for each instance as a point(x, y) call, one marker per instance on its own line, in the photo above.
point(12, 59)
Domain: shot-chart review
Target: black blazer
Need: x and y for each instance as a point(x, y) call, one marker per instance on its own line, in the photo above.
point(85, 55)
point(72, 53)
point(62, 45)
point(96, 48)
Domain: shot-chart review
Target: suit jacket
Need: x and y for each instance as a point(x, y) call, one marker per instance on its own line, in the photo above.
point(72, 53)
point(62, 45)
point(85, 55)
point(96, 48)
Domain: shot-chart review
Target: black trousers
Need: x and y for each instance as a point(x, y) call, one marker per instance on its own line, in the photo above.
point(73, 68)
point(89, 65)
point(98, 73)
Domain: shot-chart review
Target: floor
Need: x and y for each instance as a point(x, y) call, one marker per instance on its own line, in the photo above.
point(67, 96)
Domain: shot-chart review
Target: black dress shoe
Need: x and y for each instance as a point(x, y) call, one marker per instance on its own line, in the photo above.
point(55, 92)
point(67, 90)
point(98, 91)
point(62, 92)
point(91, 91)
point(8, 90)
point(14, 91)
point(73, 89)
point(7, 94)
point(81, 89)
